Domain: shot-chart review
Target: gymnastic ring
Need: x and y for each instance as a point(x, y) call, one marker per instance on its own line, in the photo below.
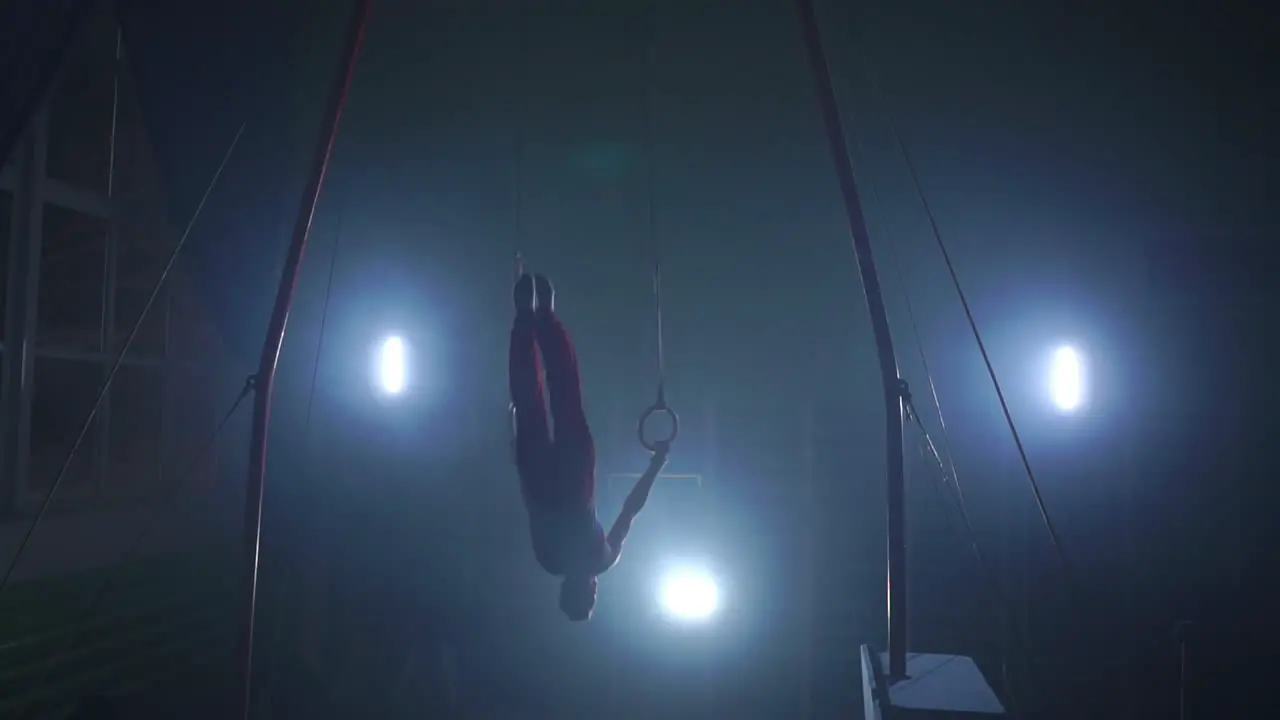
point(652, 445)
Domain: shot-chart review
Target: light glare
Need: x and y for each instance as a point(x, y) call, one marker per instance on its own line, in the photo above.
point(1066, 379)
point(689, 595)
point(391, 366)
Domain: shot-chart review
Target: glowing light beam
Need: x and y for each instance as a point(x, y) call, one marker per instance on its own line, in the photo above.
point(391, 366)
point(689, 595)
point(1067, 379)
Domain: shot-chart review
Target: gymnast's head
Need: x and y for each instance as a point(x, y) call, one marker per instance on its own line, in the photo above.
point(578, 597)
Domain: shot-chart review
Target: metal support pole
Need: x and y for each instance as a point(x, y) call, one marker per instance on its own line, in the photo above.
point(265, 378)
point(896, 496)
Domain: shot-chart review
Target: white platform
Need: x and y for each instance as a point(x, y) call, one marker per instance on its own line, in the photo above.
point(935, 686)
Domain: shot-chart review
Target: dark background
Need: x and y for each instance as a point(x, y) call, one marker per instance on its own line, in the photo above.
point(1099, 171)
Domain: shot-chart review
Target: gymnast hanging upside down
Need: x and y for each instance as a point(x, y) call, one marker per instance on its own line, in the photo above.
point(557, 475)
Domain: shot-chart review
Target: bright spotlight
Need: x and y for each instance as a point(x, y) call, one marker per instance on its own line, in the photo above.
point(1066, 379)
point(689, 595)
point(390, 365)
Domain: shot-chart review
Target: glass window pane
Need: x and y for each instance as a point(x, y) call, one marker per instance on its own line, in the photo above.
point(64, 393)
point(193, 338)
point(136, 430)
point(6, 220)
point(137, 276)
point(80, 109)
point(190, 421)
point(72, 261)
